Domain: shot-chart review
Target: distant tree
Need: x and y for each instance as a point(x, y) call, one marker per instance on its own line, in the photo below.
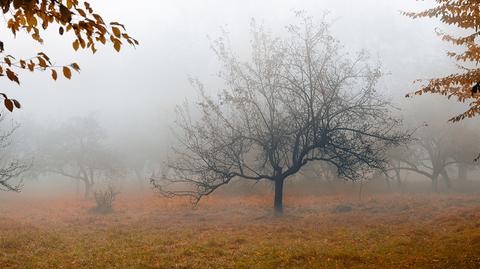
point(433, 152)
point(464, 85)
point(298, 100)
point(141, 159)
point(76, 150)
point(32, 17)
point(464, 145)
point(396, 156)
point(427, 158)
point(319, 171)
point(11, 168)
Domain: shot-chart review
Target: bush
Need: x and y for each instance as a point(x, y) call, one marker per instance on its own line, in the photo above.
point(104, 200)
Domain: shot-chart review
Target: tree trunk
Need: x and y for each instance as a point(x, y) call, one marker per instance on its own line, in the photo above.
point(434, 183)
point(446, 178)
point(140, 175)
point(399, 178)
point(387, 181)
point(360, 191)
point(278, 201)
point(462, 172)
point(77, 188)
point(88, 189)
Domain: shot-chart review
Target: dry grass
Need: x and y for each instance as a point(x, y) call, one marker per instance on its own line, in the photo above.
point(387, 231)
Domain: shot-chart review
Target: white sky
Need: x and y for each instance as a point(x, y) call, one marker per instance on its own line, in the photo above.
point(138, 88)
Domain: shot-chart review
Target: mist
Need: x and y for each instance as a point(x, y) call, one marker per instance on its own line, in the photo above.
point(114, 151)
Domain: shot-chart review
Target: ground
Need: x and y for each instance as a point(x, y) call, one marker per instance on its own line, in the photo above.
point(146, 231)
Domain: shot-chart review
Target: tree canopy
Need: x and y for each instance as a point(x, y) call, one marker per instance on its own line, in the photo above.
point(298, 100)
point(464, 85)
point(32, 17)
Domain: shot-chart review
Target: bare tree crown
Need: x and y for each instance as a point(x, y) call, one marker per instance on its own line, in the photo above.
point(298, 99)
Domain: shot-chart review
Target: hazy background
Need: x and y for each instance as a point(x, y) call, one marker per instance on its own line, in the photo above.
point(133, 93)
point(140, 85)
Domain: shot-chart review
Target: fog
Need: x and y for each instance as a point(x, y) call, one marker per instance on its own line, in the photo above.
point(133, 93)
point(140, 86)
point(126, 164)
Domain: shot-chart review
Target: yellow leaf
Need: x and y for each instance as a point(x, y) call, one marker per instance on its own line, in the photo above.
point(117, 46)
point(75, 44)
point(116, 31)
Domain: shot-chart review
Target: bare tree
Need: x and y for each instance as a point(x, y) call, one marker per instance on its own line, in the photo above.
point(298, 100)
point(76, 150)
point(462, 148)
point(11, 168)
point(434, 150)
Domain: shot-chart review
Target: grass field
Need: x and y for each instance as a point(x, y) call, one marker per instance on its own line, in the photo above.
point(384, 231)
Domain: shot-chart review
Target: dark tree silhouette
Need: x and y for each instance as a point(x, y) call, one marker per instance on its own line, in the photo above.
point(298, 100)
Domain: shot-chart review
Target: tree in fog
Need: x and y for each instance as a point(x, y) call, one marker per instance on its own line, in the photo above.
point(299, 99)
point(320, 171)
point(76, 150)
point(427, 158)
point(434, 151)
point(141, 159)
point(11, 168)
point(462, 148)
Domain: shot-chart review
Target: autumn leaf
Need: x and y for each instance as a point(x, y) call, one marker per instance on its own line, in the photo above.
point(67, 73)
point(7, 61)
point(54, 74)
point(16, 103)
point(32, 21)
point(117, 46)
point(42, 62)
point(460, 85)
point(12, 76)
point(116, 31)
point(118, 24)
point(34, 17)
point(31, 66)
point(75, 44)
point(75, 66)
point(8, 104)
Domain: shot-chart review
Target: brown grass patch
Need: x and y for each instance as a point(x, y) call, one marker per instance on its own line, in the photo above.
point(146, 231)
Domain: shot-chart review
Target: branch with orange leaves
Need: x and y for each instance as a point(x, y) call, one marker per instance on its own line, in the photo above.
point(74, 16)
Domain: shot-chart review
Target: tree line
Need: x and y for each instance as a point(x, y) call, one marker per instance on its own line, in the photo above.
point(299, 99)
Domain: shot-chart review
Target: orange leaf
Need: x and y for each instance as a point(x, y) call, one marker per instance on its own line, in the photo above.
point(66, 72)
point(75, 44)
point(8, 104)
point(116, 31)
point(54, 74)
point(75, 66)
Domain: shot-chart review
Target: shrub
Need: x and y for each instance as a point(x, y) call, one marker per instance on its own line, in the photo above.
point(104, 200)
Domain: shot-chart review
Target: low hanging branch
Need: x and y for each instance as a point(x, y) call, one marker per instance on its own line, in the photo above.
point(31, 17)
